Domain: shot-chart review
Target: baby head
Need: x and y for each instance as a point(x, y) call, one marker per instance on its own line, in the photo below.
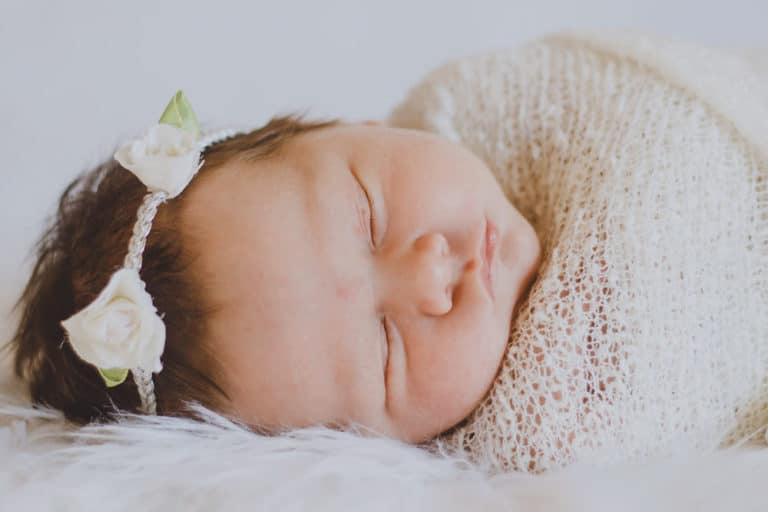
point(326, 273)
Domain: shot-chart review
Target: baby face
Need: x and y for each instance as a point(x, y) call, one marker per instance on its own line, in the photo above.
point(349, 279)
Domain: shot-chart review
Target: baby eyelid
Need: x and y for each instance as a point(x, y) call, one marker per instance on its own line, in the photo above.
point(377, 220)
point(386, 340)
point(371, 223)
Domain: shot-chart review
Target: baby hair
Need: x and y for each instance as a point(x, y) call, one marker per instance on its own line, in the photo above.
point(82, 245)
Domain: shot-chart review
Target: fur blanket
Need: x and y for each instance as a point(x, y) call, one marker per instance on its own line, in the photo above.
point(161, 464)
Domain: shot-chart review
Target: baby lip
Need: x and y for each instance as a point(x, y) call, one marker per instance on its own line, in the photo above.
point(488, 250)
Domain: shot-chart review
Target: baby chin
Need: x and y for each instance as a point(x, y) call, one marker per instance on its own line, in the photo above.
point(525, 250)
point(520, 255)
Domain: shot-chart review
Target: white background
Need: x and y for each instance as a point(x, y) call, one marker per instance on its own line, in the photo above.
point(78, 77)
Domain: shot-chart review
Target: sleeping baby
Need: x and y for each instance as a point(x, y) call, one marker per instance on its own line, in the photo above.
point(543, 255)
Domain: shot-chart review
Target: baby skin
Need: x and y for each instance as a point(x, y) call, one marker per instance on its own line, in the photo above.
point(366, 275)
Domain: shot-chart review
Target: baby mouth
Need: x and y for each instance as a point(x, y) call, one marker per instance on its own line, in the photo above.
point(489, 251)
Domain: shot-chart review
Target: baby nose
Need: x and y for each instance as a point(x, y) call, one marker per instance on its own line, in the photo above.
point(430, 280)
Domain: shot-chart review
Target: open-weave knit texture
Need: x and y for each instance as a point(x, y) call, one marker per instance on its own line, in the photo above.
point(642, 166)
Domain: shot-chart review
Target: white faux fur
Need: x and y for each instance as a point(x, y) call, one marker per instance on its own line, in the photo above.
point(158, 463)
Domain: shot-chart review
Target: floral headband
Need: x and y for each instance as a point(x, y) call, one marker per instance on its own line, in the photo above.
point(120, 331)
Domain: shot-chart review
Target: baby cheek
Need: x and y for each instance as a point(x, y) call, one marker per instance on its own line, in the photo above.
point(348, 289)
point(345, 293)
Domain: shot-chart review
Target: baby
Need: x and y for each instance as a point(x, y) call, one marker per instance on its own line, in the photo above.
point(328, 273)
point(379, 275)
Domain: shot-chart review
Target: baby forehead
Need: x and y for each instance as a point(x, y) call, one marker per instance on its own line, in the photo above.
point(289, 317)
point(272, 252)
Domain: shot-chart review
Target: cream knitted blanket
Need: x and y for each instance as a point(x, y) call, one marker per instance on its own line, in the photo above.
point(642, 165)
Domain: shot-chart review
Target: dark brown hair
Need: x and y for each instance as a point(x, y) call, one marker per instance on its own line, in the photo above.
point(84, 243)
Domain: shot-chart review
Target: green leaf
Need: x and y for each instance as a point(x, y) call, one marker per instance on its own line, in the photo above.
point(179, 113)
point(113, 376)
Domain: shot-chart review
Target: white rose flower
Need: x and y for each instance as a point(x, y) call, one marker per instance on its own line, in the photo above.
point(166, 158)
point(120, 328)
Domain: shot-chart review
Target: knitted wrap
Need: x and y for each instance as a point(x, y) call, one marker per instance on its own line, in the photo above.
point(642, 165)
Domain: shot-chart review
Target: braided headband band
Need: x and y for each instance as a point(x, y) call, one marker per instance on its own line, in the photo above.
point(120, 330)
